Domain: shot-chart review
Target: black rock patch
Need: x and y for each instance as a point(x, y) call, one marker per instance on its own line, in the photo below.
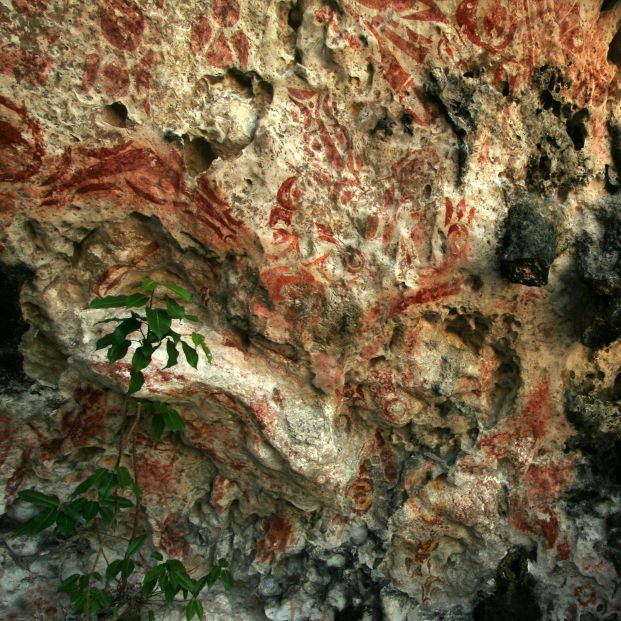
point(528, 245)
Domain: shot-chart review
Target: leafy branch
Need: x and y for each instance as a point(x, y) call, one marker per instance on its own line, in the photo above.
point(103, 499)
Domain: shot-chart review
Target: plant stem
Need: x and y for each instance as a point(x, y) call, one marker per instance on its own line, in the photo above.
point(87, 605)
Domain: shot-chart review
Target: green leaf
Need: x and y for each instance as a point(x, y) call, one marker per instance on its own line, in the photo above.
point(142, 357)
point(157, 427)
point(175, 336)
point(173, 354)
point(38, 499)
point(91, 508)
point(227, 579)
point(154, 573)
point(106, 341)
point(213, 575)
point(199, 341)
point(136, 299)
point(113, 569)
point(157, 555)
point(194, 609)
point(69, 584)
point(207, 353)
point(148, 284)
point(223, 562)
point(192, 318)
point(65, 524)
point(135, 544)
point(124, 478)
point(110, 301)
point(127, 326)
point(136, 381)
point(151, 616)
point(175, 310)
point(159, 321)
point(118, 351)
point(191, 354)
point(106, 514)
point(173, 420)
point(118, 501)
point(127, 568)
point(169, 593)
point(180, 291)
point(91, 481)
point(38, 523)
point(200, 585)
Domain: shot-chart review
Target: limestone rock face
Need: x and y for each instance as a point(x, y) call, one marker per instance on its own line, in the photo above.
point(401, 227)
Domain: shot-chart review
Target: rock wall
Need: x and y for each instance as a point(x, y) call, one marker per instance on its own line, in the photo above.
point(401, 225)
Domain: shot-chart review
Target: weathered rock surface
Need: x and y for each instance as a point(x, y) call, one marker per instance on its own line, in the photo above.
point(400, 223)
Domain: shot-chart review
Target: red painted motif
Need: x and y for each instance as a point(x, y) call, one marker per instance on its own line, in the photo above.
point(122, 23)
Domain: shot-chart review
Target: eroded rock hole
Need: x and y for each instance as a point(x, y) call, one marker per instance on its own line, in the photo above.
point(614, 50)
point(115, 114)
point(296, 15)
point(515, 598)
point(198, 155)
point(608, 4)
point(12, 326)
point(576, 128)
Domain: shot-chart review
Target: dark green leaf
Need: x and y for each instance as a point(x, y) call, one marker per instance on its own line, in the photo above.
point(65, 524)
point(213, 575)
point(157, 555)
point(126, 327)
point(69, 584)
point(175, 310)
point(136, 380)
point(173, 420)
point(75, 508)
point(194, 609)
point(118, 501)
point(135, 544)
point(124, 478)
point(180, 291)
point(151, 616)
point(192, 318)
point(136, 299)
point(110, 301)
point(142, 357)
point(159, 321)
point(90, 510)
point(227, 579)
point(175, 336)
point(223, 562)
point(38, 523)
point(207, 353)
point(106, 514)
point(199, 585)
point(106, 483)
point(38, 499)
point(173, 354)
point(91, 481)
point(157, 427)
point(154, 573)
point(106, 341)
point(169, 593)
point(118, 351)
point(148, 284)
point(127, 568)
point(190, 354)
point(113, 569)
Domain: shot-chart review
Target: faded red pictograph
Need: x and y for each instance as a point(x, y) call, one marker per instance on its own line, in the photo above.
point(219, 36)
point(122, 23)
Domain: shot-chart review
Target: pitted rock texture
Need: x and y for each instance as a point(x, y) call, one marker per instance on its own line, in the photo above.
point(399, 220)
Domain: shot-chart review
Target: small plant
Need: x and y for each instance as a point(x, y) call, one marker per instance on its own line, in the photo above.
point(108, 502)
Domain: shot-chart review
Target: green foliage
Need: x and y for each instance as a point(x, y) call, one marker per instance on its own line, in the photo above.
point(106, 500)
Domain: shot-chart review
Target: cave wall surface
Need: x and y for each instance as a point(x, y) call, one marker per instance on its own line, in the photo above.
point(401, 226)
